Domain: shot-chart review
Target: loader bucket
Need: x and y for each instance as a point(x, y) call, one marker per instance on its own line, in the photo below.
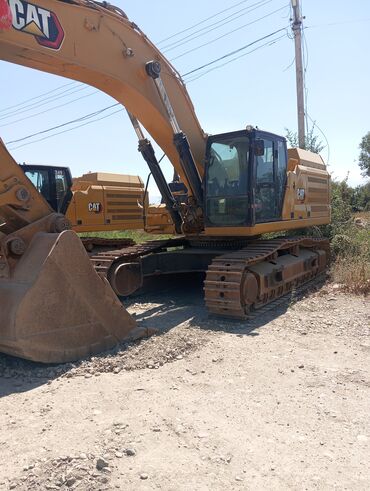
point(55, 308)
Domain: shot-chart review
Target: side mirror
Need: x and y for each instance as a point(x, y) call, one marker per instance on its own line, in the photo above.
point(259, 147)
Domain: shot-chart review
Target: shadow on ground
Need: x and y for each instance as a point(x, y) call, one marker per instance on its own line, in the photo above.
point(162, 304)
point(175, 301)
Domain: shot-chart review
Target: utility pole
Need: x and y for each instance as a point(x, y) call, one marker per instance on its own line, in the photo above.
point(297, 31)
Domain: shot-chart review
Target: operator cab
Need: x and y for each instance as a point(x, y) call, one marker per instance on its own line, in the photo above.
point(54, 183)
point(245, 178)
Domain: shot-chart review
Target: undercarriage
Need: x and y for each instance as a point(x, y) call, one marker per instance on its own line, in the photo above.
point(240, 275)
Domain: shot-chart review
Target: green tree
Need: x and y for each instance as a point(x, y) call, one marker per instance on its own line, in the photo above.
point(312, 142)
point(361, 198)
point(364, 158)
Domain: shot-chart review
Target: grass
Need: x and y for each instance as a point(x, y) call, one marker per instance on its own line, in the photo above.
point(364, 215)
point(138, 236)
point(352, 274)
point(351, 265)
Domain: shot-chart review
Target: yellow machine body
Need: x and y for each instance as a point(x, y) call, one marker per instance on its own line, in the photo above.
point(306, 199)
point(103, 202)
point(55, 302)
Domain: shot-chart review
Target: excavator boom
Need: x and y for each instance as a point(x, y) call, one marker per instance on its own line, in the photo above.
point(98, 45)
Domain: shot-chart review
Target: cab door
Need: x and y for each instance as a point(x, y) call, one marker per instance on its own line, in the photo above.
point(270, 176)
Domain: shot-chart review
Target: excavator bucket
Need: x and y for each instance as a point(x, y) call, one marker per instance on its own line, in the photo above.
point(55, 308)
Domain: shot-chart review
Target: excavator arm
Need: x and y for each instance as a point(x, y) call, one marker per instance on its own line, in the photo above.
point(23, 212)
point(20, 203)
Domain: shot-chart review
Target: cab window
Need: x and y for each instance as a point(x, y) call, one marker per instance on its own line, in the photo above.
point(227, 181)
point(40, 179)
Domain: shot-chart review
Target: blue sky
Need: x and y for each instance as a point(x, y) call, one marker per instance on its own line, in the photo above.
point(257, 89)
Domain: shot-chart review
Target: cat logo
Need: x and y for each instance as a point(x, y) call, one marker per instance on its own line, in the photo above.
point(94, 207)
point(37, 21)
point(300, 194)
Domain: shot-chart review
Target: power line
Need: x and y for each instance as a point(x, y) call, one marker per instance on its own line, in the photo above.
point(234, 52)
point(290, 64)
point(82, 118)
point(305, 65)
point(269, 43)
point(36, 105)
point(48, 110)
point(96, 113)
point(45, 101)
point(304, 68)
point(353, 21)
point(36, 97)
point(228, 33)
point(201, 22)
point(207, 29)
point(323, 134)
point(307, 115)
point(69, 129)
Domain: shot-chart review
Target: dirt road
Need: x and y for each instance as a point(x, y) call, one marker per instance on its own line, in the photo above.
point(281, 402)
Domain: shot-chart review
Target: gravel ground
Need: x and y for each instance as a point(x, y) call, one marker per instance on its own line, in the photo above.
point(279, 402)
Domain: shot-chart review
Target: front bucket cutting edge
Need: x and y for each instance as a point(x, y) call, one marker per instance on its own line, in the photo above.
point(55, 308)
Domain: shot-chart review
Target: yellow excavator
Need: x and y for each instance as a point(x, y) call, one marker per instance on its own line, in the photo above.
point(57, 303)
point(100, 202)
point(97, 201)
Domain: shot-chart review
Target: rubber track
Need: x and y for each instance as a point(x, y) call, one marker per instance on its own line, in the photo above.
point(224, 276)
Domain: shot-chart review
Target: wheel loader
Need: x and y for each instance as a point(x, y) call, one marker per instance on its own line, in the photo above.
point(58, 303)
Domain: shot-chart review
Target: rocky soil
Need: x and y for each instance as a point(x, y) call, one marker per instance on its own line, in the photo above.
point(277, 402)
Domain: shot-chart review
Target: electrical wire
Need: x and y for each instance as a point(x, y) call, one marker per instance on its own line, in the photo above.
point(353, 21)
point(36, 105)
point(290, 64)
point(69, 129)
point(201, 22)
point(24, 107)
point(227, 55)
point(323, 134)
point(96, 113)
point(305, 65)
point(304, 69)
point(36, 97)
point(82, 118)
point(269, 43)
point(191, 37)
point(228, 33)
point(47, 110)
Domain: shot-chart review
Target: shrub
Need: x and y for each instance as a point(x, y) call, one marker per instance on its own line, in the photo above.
point(352, 273)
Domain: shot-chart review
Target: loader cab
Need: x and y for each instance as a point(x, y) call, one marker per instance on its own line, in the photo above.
point(54, 183)
point(245, 178)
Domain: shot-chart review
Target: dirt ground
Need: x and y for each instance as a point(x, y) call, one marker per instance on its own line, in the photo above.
point(280, 402)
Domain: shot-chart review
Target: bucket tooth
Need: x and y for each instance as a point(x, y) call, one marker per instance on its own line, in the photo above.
point(55, 308)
